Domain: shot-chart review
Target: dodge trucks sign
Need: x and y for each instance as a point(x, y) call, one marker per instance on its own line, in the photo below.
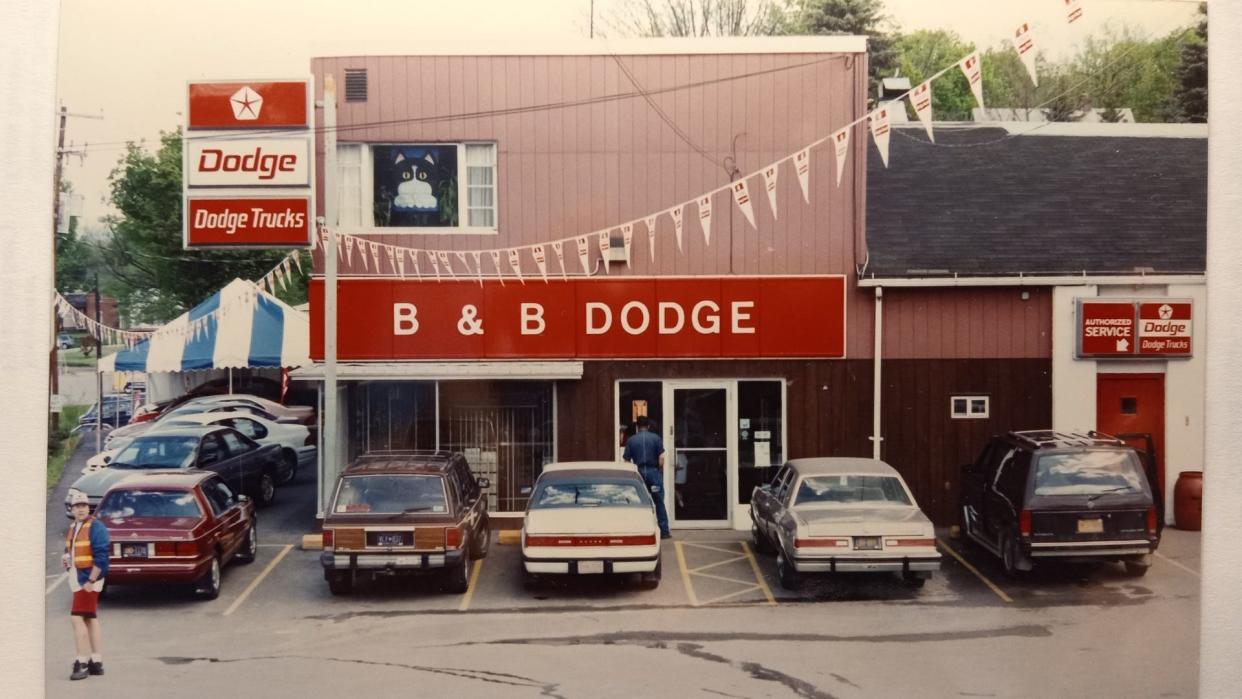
point(1134, 329)
point(266, 221)
point(585, 318)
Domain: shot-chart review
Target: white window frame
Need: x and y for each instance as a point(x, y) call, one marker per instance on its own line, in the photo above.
point(357, 174)
point(970, 413)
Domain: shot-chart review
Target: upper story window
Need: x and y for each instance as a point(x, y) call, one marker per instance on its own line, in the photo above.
point(431, 186)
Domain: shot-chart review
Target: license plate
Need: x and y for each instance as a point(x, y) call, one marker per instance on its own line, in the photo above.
point(866, 543)
point(389, 539)
point(1090, 526)
point(133, 550)
point(590, 566)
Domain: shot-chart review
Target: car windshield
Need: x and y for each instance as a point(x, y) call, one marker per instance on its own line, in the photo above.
point(157, 451)
point(851, 489)
point(120, 504)
point(1089, 473)
point(390, 494)
point(566, 493)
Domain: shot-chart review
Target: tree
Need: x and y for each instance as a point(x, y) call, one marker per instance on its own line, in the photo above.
point(699, 18)
point(856, 17)
point(1190, 96)
point(924, 53)
point(75, 258)
point(154, 279)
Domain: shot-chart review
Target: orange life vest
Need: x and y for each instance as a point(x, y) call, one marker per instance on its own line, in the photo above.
point(80, 548)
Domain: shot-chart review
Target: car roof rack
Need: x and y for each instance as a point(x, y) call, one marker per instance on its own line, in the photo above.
point(1053, 438)
point(384, 457)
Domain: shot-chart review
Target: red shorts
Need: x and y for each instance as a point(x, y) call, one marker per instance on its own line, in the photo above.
point(85, 604)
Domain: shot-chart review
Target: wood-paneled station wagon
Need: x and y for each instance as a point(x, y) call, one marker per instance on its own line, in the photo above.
point(408, 512)
point(842, 515)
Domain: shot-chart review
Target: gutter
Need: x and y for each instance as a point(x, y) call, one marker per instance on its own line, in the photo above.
point(877, 386)
point(1022, 280)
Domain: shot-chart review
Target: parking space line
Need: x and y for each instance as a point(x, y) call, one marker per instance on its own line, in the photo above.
point(999, 592)
point(474, 581)
point(754, 566)
point(709, 547)
point(250, 588)
point(56, 583)
point(730, 595)
point(685, 575)
point(709, 566)
point(724, 579)
point(1192, 571)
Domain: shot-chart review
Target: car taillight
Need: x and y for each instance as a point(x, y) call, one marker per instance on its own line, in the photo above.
point(1151, 520)
point(602, 540)
point(910, 542)
point(187, 548)
point(165, 548)
point(452, 537)
point(327, 538)
point(814, 542)
point(1024, 523)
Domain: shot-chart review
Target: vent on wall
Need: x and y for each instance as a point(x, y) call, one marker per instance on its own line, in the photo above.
point(355, 84)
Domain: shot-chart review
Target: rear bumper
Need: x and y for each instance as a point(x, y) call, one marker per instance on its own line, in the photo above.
point(153, 572)
point(570, 566)
point(867, 564)
point(391, 562)
point(1085, 550)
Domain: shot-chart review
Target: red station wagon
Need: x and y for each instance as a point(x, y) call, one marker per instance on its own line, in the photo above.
point(177, 526)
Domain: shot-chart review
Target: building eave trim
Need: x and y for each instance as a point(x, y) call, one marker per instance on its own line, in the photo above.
point(1062, 280)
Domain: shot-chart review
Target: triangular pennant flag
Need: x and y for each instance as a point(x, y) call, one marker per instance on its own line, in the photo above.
point(435, 263)
point(973, 70)
point(285, 263)
point(879, 121)
point(921, 100)
point(677, 213)
point(627, 239)
point(541, 260)
point(802, 166)
point(584, 253)
point(705, 217)
point(651, 228)
point(445, 263)
point(349, 249)
point(741, 194)
point(515, 261)
point(559, 248)
point(769, 185)
point(316, 239)
point(841, 143)
point(414, 260)
point(297, 259)
point(398, 261)
point(392, 258)
point(500, 273)
point(478, 265)
point(280, 277)
point(339, 243)
point(605, 244)
point(461, 257)
point(1073, 10)
point(1025, 45)
point(375, 256)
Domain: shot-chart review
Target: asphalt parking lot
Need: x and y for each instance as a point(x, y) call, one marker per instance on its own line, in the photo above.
point(713, 581)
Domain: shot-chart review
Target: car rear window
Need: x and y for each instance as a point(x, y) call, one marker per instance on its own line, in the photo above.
point(157, 452)
point(873, 490)
point(120, 504)
point(390, 494)
point(1089, 473)
point(575, 493)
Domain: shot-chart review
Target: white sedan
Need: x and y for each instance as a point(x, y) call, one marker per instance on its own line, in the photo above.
point(591, 517)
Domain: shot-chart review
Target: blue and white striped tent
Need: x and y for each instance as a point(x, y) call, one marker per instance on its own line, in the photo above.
point(240, 326)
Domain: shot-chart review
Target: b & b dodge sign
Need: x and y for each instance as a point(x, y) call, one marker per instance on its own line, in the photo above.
point(1129, 329)
point(734, 317)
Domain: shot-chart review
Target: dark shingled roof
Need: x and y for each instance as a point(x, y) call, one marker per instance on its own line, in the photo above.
point(978, 203)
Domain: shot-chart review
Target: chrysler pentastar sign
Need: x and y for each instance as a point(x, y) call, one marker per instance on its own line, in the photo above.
point(642, 317)
point(248, 164)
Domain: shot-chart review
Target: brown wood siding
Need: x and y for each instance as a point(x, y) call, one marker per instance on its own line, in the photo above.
point(828, 403)
point(927, 446)
point(576, 170)
point(967, 323)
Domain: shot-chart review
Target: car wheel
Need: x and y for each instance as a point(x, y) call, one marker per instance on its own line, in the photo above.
point(340, 583)
point(786, 573)
point(759, 540)
point(457, 576)
point(1009, 556)
point(267, 489)
point(913, 581)
point(250, 547)
point(482, 541)
point(530, 580)
point(650, 581)
point(208, 587)
point(289, 472)
point(1135, 569)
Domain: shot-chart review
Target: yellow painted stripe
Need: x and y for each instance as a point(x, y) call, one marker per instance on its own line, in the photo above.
point(754, 565)
point(509, 536)
point(685, 575)
point(56, 583)
point(474, 580)
point(999, 592)
point(250, 588)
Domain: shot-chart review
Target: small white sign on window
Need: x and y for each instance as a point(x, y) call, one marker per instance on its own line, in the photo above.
point(763, 454)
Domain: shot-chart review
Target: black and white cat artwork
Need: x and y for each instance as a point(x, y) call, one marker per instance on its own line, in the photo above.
point(417, 181)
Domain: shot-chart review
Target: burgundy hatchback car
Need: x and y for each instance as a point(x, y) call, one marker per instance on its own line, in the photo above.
point(177, 526)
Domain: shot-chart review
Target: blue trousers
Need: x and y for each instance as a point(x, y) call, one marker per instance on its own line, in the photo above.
point(653, 476)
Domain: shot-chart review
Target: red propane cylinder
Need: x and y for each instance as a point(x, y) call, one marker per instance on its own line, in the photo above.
point(1188, 500)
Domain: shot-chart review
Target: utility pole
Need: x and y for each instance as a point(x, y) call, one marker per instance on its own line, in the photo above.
point(98, 376)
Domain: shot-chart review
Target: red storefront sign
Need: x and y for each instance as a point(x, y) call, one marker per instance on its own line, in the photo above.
point(1165, 327)
point(247, 221)
point(248, 105)
point(713, 317)
point(1105, 328)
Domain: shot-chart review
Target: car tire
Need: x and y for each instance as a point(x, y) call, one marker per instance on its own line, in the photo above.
point(786, 573)
point(457, 576)
point(530, 581)
point(650, 581)
point(340, 583)
point(913, 581)
point(250, 547)
point(208, 586)
point(289, 472)
point(482, 541)
point(266, 492)
point(760, 541)
point(1009, 557)
point(1135, 569)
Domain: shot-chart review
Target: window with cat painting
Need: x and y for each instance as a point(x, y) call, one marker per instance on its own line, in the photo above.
point(422, 185)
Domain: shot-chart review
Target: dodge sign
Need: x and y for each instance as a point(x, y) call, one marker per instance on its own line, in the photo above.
point(1134, 329)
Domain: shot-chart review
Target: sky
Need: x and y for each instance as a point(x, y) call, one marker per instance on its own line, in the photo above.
point(128, 61)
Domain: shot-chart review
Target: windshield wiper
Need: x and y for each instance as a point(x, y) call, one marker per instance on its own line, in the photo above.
point(1099, 495)
point(411, 510)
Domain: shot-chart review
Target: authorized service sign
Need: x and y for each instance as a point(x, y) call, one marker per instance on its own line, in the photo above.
point(639, 317)
point(1134, 329)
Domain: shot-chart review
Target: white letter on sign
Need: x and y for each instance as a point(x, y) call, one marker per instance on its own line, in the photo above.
point(739, 316)
point(713, 318)
point(591, 327)
point(532, 319)
point(625, 317)
point(665, 328)
point(404, 319)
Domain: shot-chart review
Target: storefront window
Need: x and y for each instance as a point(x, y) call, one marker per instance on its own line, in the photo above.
point(634, 399)
point(760, 434)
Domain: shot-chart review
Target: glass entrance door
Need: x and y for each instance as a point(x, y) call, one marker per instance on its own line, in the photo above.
point(700, 465)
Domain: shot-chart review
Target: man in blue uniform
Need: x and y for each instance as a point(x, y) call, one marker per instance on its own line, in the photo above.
point(646, 450)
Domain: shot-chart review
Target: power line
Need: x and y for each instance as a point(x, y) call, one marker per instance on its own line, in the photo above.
point(663, 116)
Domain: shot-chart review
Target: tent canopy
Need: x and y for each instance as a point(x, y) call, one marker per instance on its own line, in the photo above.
point(241, 326)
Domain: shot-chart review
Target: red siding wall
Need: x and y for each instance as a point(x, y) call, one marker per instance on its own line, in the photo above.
point(961, 323)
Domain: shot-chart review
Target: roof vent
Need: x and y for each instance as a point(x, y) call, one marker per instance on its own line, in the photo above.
point(355, 84)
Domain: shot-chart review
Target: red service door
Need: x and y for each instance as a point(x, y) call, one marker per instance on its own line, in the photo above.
point(1133, 403)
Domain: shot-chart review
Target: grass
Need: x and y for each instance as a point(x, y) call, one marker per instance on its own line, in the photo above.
point(56, 460)
point(73, 356)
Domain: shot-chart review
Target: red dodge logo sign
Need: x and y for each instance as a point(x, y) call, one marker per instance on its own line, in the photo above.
point(1164, 327)
point(248, 105)
point(275, 221)
point(1126, 328)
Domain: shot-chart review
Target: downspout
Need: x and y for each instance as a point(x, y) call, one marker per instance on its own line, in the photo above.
point(876, 439)
point(328, 434)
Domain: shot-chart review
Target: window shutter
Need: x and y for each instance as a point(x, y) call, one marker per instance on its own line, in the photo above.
point(355, 84)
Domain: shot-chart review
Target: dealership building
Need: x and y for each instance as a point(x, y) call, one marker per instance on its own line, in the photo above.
point(539, 245)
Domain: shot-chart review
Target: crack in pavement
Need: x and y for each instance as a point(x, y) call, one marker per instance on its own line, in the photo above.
point(843, 680)
point(503, 678)
point(800, 687)
point(1025, 630)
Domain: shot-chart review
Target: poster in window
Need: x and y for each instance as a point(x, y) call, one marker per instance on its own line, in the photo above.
point(416, 185)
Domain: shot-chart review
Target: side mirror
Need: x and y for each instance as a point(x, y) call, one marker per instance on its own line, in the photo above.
point(485, 483)
point(107, 459)
point(525, 490)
